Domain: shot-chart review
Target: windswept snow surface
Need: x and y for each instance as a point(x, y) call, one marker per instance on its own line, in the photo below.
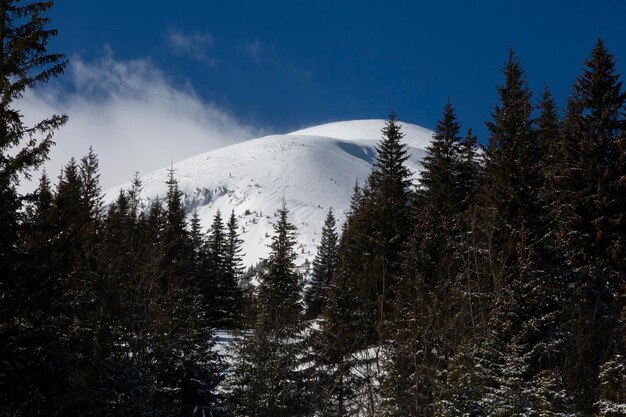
point(311, 169)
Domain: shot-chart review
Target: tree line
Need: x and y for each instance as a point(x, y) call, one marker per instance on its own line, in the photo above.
point(492, 286)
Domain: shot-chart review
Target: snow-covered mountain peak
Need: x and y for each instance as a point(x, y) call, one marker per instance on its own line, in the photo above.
point(311, 169)
point(367, 129)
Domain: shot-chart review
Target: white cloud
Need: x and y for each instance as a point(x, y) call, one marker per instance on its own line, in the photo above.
point(267, 53)
point(194, 45)
point(133, 116)
point(254, 49)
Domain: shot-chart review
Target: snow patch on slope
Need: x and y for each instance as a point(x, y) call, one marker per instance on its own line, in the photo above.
point(311, 170)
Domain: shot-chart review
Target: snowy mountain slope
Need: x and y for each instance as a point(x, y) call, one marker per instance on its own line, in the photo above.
point(311, 169)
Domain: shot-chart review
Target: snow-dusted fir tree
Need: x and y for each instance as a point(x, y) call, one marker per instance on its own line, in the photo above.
point(268, 376)
point(417, 354)
point(233, 273)
point(339, 344)
point(214, 271)
point(381, 225)
point(324, 266)
point(586, 197)
point(186, 369)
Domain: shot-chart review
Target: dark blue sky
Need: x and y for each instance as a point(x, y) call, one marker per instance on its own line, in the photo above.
point(284, 64)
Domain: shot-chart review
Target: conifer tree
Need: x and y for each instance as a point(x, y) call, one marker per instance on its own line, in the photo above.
point(214, 271)
point(71, 259)
point(233, 273)
point(234, 259)
point(417, 352)
point(389, 200)
point(175, 231)
point(584, 194)
point(134, 195)
point(512, 164)
point(381, 226)
point(268, 377)
point(30, 345)
point(195, 234)
point(337, 346)
point(90, 176)
point(25, 63)
point(222, 268)
point(548, 130)
point(441, 163)
point(469, 171)
point(324, 266)
point(596, 124)
point(338, 353)
point(187, 370)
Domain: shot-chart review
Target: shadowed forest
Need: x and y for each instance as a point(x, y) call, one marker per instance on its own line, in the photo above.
point(495, 285)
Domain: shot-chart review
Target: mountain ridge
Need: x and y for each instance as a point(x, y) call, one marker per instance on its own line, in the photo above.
point(311, 169)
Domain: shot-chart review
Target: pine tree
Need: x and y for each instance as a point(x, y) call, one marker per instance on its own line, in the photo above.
point(583, 193)
point(134, 195)
point(175, 232)
point(339, 353)
point(30, 345)
point(381, 226)
point(548, 130)
point(338, 347)
point(469, 171)
point(438, 179)
point(612, 381)
point(214, 266)
point(187, 369)
point(324, 266)
point(279, 284)
point(90, 176)
point(437, 302)
point(233, 273)
point(269, 378)
point(234, 259)
point(512, 165)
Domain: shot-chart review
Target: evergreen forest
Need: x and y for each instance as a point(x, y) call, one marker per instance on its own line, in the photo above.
point(495, 285)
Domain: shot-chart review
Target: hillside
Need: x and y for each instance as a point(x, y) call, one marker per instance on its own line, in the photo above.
point(311, 169)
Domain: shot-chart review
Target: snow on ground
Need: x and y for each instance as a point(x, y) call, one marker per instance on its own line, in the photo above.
point(311, 170)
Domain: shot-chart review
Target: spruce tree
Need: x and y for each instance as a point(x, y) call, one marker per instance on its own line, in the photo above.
point(583, 193)
point(520, 305)
point(512, 165)
point(382, 224)
point(338, 345)
point(269, 378)
point(468, 181)
point(279, 284)
point(324, 266)
point(234, 259)
point(438, 179)
point(338, 353)
point(175, 231)
point(417, 353)
point(214, 266)
point(187, 370)
point(548, 130)
point(233, 273)
point(90, 176)
point(32, 378)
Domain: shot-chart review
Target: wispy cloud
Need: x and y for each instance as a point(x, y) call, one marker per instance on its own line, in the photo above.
point(254, 49)
point(194, 45)
point(133, 116)
point(267, 54)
